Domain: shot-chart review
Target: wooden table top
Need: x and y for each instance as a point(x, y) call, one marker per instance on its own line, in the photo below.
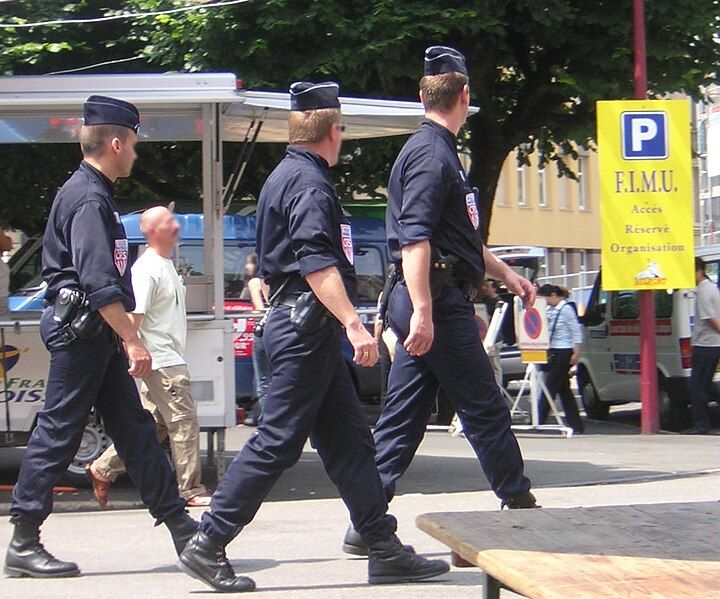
point(661, 550)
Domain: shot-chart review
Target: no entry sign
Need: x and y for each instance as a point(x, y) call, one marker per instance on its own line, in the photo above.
point(532, 322)
point(532, 330)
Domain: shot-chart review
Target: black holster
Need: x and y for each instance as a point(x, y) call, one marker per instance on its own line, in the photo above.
point(390, 281)
point(74, 317)
point(308, 315)
point(259, 328)
point(442, 271)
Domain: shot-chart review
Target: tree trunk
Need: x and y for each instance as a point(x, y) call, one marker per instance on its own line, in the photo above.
point(487, 154)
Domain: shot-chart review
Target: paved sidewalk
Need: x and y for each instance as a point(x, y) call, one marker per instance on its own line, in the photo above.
point(292, 549)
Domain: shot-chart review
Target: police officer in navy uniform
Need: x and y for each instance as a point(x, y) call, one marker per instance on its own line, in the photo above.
point(94, 347)
point(434, 238)
point(306, 256)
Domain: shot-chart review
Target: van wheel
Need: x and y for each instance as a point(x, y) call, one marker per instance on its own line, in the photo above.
point(94, 443)
point(595, 409)
point(674, 413)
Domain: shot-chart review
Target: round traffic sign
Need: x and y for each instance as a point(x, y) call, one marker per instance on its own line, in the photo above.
point(532, 323)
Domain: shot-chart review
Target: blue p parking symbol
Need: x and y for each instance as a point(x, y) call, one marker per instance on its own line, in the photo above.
point(644, 135)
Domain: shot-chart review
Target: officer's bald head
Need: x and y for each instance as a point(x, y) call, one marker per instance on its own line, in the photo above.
point(160, 228)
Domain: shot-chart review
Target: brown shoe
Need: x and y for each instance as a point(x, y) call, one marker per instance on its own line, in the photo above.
point(101, 488)
point(202, 500)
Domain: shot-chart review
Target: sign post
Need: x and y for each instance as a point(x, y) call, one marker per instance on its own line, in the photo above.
point(650, 416)
point(533, 336)
point(646, 213)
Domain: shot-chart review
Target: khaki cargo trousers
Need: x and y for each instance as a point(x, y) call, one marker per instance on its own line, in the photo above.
point(165, 393)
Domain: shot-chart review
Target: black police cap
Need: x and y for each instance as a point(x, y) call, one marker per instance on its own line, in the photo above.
point(101, 110)
point(314, 96)
point(441, 59)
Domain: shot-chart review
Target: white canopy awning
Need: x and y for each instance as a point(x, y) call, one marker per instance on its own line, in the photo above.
point(48, 109)
point(362, 117)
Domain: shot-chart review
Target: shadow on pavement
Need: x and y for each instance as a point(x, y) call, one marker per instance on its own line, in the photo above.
point(441, 472)
point(429, 474)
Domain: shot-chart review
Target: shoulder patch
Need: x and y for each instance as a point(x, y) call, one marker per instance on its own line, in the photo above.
point(120, 255)
point(347, 242)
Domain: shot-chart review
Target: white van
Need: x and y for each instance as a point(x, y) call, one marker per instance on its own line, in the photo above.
point(609, 370)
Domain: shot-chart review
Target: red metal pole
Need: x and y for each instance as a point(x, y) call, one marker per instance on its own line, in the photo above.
point(650, 417)
point(640, 71)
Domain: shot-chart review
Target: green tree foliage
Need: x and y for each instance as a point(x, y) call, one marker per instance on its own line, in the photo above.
point(536, 69)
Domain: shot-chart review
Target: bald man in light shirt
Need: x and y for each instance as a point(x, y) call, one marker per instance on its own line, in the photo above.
point(162, 325)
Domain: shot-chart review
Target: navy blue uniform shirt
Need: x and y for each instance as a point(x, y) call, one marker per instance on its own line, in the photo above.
point(301, 228)
point(429, 198)
point(85, 246)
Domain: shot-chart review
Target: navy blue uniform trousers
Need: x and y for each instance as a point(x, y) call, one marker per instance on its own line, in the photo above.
point(310, 394)
point(83, 374)
point(456, 361)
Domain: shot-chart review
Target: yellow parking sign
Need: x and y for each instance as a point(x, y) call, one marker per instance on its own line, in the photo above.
point(646, 194)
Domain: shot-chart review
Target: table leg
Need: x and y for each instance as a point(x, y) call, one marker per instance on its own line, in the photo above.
point(220, 453)
point(459, 562)
point(211, 447)
point(491, 587)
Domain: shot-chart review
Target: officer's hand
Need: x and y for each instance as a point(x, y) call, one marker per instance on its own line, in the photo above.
point(420, 339)
point(139, 358)
point(521, 287)
point(366, 348)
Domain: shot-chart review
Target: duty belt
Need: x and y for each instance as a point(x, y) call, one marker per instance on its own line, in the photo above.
point(289, 300)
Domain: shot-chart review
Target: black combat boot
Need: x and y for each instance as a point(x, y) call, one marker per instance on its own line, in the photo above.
point(391, 563)
point(524, 501)
point(27, 557)
point(206, 561)
point(354, 545)
point(182, 528)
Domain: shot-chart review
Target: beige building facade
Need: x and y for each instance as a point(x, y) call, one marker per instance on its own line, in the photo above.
point(535, 207)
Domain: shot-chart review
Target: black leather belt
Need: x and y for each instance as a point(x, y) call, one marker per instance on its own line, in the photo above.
point(285, 299)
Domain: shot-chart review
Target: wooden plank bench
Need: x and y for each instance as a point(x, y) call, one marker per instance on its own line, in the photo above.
point(661, 550)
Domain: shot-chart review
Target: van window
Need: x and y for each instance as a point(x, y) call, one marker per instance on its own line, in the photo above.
point(595, 312)
point(370, 269)
point(26, 267)
point(624, 305)
point(711, 270)
point(191, 263)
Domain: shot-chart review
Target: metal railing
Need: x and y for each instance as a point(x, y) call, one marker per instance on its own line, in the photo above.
point(577, 281)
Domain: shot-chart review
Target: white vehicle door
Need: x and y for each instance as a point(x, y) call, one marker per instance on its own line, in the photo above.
point(596, 353)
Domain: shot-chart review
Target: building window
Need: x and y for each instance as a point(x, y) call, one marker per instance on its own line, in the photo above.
point(542, 188)
point(564, 266)
point(562, 187)
point(583, 283)
point(500, 192)
point(582, 184)
point(522, 197)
